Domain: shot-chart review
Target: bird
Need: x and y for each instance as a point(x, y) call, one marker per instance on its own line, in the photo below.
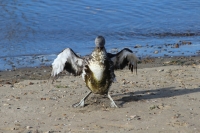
point(96, 69)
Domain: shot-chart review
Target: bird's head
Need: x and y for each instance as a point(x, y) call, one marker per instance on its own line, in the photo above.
point(100, 42)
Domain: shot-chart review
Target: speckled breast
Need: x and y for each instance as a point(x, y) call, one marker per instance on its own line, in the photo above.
point(98, 78)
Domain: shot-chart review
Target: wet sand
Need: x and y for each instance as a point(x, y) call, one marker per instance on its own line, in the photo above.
point(163, 97)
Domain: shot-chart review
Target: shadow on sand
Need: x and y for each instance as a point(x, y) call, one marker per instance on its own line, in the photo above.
point(154, 94)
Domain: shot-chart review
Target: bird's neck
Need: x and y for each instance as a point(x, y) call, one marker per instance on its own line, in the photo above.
point(99, 53)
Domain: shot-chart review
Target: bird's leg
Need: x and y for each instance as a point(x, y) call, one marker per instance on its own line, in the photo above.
point(112, 104)
point(82, 102)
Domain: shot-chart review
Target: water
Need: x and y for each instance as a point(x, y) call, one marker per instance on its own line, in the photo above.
point(32, 32)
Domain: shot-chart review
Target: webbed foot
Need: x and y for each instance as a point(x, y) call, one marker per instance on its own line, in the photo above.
point(113, 105)
point(80, 104)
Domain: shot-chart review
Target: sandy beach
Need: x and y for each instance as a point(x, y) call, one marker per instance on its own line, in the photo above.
point(163, 97)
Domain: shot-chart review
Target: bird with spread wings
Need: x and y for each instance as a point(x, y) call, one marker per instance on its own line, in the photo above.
point(97, 69)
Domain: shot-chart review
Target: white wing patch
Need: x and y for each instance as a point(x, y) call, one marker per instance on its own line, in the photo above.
point(59, 63)
point(66, 56)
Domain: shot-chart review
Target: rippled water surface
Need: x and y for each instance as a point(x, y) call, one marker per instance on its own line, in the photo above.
point(32, 32)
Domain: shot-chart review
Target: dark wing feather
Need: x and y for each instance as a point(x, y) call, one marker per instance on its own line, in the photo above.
point(69, 61)
point(123, 58)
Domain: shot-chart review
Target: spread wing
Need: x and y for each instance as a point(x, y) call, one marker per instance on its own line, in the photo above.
point(123, 58)
point(69, 61)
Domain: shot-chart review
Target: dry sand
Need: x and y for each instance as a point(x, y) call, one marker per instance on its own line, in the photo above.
point(163, 97)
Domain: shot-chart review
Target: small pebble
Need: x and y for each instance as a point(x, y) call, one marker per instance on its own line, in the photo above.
point(28, 127)
point(161, 70)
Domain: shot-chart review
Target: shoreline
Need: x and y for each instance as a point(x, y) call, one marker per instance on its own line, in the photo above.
point(166, 50)
point(43, 72)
